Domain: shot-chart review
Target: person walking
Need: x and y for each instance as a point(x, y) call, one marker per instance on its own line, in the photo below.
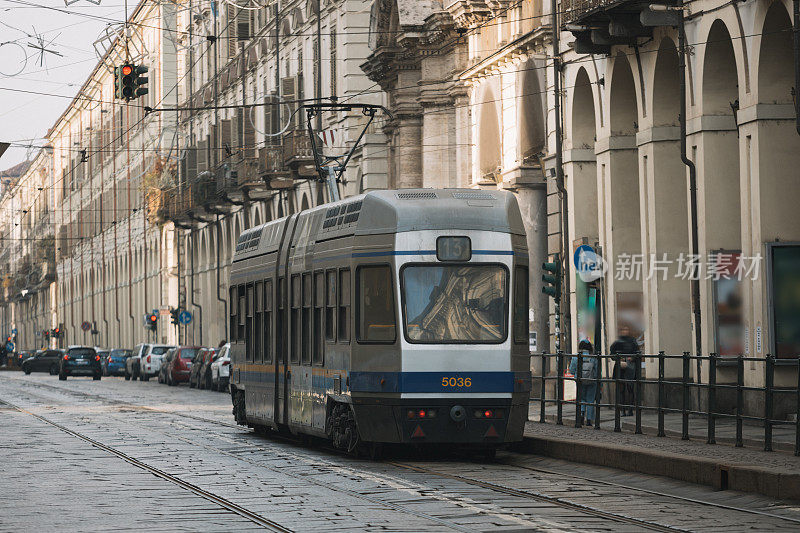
point(627, 348)
point(589, 370)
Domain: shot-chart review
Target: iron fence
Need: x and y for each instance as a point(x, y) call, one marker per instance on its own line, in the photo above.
point(685, 385)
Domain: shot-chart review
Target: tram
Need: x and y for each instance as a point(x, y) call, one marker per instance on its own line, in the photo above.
point(390, 317)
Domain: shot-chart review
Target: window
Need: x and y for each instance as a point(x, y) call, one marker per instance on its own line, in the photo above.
point(233, 306)
point(330, 306)
point(305, 355)
point(521, 305)
point(248, 335)
point(295, 335)
point(376, 317)
point(455, 303)
point(319, 306)
point(268, 321)
point(241, 315)
point(344, 305)
point(258, 329)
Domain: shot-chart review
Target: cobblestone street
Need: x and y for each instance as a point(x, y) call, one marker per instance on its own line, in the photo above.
point(89, 456)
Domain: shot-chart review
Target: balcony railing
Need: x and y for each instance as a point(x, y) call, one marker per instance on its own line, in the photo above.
point(297, 148)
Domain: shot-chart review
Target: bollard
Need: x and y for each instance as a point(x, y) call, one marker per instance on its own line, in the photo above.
point(739, 399)
point(797, 413)
point(617, 391)
point(685, 407)
point(661, 393)
point(542, 394)
point(712, 398)
point(637, 392)
point(578, 395)
point(769, 378)
point(559, 388)
point(597, 391)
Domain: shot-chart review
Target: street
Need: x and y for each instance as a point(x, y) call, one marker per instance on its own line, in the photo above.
point(82, 455)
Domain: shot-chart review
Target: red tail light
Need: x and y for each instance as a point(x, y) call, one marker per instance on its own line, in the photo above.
point(66, 358)
point(421, 413)
point(226, 363)
point(488, 413)
point(148, 358)
point(96, 357)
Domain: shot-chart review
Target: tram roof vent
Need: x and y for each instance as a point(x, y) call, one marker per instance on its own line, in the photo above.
point(477, 195)
point(423, 195)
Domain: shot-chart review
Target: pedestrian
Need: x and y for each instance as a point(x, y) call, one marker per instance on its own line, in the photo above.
point(589, 370)
point(625, 370)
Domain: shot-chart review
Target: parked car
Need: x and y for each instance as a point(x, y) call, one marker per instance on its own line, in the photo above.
point(43, 361)
point(132, 364)
point(165, 362)
point(115, 362)
point(204, 375)
point(80, 361)
point(103, 353)
point(221, 369)
point(180, 365)
point(201, 362)
point(150, 362)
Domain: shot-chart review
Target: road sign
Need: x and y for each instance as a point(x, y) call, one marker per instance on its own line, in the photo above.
point(185, 317)
point(86, 326)
point(10, 346)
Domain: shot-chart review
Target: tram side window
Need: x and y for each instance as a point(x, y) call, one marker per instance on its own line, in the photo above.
point(268, 321)
point(305, 355)
point(249, 337)
point(258, 328)
point(344, 305)
point(376, 316)
point(232, 307)
point(330, 305)
point(295, 319)
point(240, 315)
point(521, 305)
point(319, 306)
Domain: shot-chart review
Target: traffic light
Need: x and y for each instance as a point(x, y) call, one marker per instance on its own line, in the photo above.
point(46, 334)
point(140, 81)
point(552, 279)
point(129, 83)
point(152, 321)
point(57, 332)
point(173, 313)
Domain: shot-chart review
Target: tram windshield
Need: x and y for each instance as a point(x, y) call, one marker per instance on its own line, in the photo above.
point(455, 303)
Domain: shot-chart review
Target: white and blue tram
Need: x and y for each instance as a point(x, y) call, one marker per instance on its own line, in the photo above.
point(390, 317)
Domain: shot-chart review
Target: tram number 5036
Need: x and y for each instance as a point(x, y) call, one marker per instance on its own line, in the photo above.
point(456, 382)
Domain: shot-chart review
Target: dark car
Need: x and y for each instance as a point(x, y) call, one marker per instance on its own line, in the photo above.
point(200, 365)
point(164, 368)
point(204, 375)
point(43, 361)
point(180, 366)
point(114, 365)
point(80, 361)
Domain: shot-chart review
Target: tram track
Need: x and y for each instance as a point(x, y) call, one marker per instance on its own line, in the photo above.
point(207, 495)
point(494, 487)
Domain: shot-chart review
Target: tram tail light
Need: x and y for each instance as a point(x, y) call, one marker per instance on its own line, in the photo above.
point(421, 414)
point(488, 413)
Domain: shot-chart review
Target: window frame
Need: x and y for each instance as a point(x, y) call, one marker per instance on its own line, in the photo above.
point(267, 325)
point(451, 264)
point(233, 306)
point(318, 300)
point(258, 322)
point(359, 268)
point(294, 330)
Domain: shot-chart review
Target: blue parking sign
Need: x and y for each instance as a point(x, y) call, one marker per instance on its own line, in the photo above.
point(10, 347)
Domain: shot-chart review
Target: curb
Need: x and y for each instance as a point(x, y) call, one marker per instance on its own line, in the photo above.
point(697, 470)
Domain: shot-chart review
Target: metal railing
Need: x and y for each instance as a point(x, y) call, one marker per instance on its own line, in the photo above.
point(684, 384)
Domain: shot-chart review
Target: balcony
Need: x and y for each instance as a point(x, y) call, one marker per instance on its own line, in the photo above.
point(297, 153)
point(196, 198)
point(600, 24)
point(228, 191)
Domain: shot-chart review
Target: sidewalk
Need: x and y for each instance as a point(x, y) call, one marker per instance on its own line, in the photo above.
point(721, 465)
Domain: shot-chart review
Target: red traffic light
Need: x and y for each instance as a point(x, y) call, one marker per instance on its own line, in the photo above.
point(153, 318)
point(126, 69)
